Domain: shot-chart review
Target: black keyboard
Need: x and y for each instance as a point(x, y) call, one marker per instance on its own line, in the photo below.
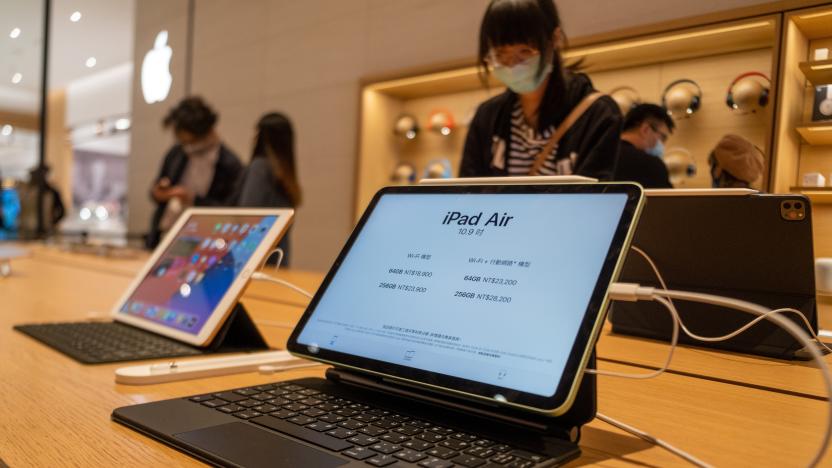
point(100, 342)
point(373, 435)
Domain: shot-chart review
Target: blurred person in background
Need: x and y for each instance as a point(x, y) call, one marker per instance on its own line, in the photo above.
point(271, 177)
point(735, 163)
point(515, 133)
point(198, 171)
point(646, 130)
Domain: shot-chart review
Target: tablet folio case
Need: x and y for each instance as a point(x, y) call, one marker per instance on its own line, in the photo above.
point(734, 246)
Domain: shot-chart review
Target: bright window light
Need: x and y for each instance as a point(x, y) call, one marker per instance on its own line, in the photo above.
point(15, 33)
point(6, 130)
point(122, 123)
point(91, 62)
point(17, 78)
point(75, 17)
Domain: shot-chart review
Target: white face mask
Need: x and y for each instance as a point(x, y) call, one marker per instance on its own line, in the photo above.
point(523, 78)
point(657, 150)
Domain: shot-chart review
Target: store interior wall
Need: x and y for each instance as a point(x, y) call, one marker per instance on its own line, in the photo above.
point(308, 59)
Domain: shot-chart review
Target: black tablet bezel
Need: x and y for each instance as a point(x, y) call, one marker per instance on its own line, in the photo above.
point(592, 315)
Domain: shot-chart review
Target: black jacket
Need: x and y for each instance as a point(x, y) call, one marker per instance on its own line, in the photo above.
point(221, 193)
point(593, 139)
point(634, 165)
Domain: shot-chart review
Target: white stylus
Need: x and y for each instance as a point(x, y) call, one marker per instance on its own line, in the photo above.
point(209, 367)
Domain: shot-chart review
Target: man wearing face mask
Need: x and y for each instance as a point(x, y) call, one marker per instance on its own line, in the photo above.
point(550, 120)
point(198, 171)
point(646, 129)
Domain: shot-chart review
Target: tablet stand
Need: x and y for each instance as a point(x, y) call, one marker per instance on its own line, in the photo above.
point(565, 427)
point(238, 333)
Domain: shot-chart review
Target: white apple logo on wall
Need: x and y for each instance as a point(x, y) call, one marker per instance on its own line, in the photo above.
point(156, 77)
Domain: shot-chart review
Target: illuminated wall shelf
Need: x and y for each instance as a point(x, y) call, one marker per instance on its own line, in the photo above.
point(817, 195)
point(817, 134)
point(818, 73)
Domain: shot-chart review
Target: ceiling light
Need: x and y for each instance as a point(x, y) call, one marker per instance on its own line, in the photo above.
point(15, 33)
point(91, 62)
point(75, 17)
point(6, 130)
point(17, 78)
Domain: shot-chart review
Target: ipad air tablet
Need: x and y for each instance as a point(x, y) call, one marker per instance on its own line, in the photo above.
point(194, 278)
point(491, 292)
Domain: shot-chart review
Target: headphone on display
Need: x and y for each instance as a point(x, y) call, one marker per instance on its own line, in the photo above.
point(761, 92)
point(626, 97)
point(404, 173)
point(438, 169)
point(406, 126)
point(825, 106)
point(681, 101)
point(680, 164)
point(441, 122)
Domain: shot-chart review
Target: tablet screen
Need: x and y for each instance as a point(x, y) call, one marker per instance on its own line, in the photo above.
point(192, 275)
point(483, 287)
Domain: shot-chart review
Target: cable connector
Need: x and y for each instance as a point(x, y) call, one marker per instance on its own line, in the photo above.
point(631, 292)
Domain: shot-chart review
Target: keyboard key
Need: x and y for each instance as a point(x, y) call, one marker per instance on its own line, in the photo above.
point(265, 408)
point(386, 447)
point(214, 403)
point(232, 408)
point(284, 414)
point(230, 397)
point(520, 463)
point(484, 443)
point(359, 453)
point(500, 448)
point(372, 431)
point(293, 387)
point(201, 398)
point(454, 444)
point(295, 407)
point(408, 430)
point(503, 459)
point(441, 430)
point(277, 392)
point(528, 456)
point(382, 460)
point(385, 423)
point(420, 424)
point(328, 406)
point(464, 437)
point(430, 437)
point(278, 401)
point(309, 392)
point(347, 412)
point(366, 418)
point(248, 414)
point(394, 438)
point(249, 403)
point(409, 455)
point(264, 388)
point(442, 452)
point(342, 433)
point(468, 461)
point(351, 424)
point(301, 420)
point(418, 445)
point(314, 412)
point(363, 440)
point(294, 396)
point(435, 463)
point(481, 452)
point(311, 401)
point(331, 418)
point(317, 438)
point(246, 391)
point(321, 427)
point(262, 396)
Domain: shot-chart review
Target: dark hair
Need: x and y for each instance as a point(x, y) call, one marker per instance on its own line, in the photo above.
point(531, 22)
point(191, 115)
point(276, 142)
point(650, 113)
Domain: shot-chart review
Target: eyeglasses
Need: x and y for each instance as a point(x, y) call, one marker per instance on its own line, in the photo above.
point(662, 136)
point(508, 56)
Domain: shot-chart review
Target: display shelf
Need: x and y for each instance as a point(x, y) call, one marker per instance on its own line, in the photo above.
point(817, 134)
point(817, 195)
point(818, 72)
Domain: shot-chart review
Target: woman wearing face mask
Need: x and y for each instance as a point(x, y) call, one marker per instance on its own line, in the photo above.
point(550, 120)
point(271, 178)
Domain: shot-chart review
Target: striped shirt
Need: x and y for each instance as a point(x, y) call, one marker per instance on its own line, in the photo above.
point(527, 143)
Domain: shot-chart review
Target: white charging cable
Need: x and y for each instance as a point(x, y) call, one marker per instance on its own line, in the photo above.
point(259, 275)
point(635, 292)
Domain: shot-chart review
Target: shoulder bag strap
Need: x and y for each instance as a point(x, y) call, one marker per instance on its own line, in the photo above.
point(567, 123)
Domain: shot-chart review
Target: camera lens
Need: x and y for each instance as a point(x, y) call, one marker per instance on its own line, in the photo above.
point(798, 205)
point(787, 205)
